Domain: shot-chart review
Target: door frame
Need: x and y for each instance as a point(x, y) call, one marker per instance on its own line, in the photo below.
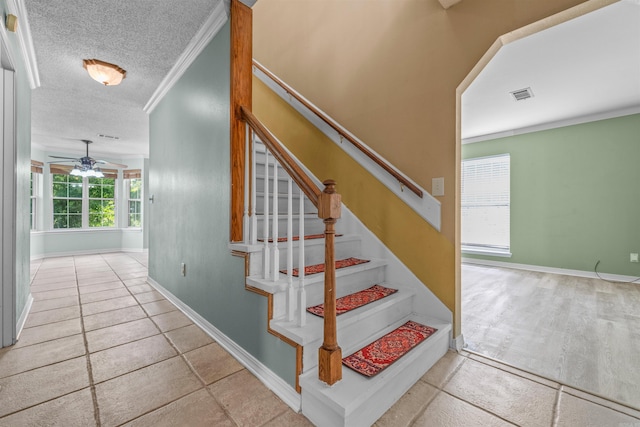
point(527, 30)
point(8, 201)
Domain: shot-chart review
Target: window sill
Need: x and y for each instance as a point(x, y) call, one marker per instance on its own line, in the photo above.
point(88, 230)
point(503, 253)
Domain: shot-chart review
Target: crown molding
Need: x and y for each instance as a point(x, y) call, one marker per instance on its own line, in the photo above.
point(207, 32)
point(17, 8)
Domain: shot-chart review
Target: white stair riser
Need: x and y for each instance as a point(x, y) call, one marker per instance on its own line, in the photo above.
point(283, 204)
point(283, 186)
point(311, 226)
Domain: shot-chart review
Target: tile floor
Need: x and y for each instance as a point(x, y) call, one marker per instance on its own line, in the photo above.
point(101, 347)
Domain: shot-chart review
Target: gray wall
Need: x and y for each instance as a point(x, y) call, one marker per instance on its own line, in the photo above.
point(23, 154)
point(189, 176)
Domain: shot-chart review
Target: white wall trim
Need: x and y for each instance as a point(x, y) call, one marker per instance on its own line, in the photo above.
point(554, 125)
point(428, 207)
point(207, 32)
point(17, 7)
point(457, 343)
point(87, 252)
point(276, 384)
point(23, 317)
point(553, 270)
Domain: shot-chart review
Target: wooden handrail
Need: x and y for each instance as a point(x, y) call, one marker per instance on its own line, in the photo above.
point(297, 174)
point(329, 205)
point(366, 151)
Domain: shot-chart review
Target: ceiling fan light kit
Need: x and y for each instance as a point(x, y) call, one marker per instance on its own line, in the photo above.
point(104, 72)
point(86, 167)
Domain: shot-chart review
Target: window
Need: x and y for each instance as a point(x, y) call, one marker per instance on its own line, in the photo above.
point(36, 173)
point(67, 201)
point(486, 205)
point(135, 202)
point(83, 202)
point(102, 204)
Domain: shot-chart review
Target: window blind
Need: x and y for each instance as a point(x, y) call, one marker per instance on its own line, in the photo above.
point(486, 202)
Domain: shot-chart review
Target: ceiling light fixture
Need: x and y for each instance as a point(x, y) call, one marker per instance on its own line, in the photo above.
point(104, 72)
point(86, 171)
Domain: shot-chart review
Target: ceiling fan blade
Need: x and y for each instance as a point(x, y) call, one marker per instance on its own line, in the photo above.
point(117, 165)
point(63, 161)
point(70, 158)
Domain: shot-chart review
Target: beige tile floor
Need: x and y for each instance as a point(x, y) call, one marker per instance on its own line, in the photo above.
point(102, 347)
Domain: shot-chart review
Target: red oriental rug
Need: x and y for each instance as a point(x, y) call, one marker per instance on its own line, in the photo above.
point(319, 268)
point(378, 355)
point(353, 301)
point(296, 238)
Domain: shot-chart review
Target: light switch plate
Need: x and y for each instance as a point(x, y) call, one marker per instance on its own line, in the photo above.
point(633, 257)
point(437, 187)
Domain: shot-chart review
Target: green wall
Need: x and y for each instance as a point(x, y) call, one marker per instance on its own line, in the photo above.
point(189, 177)
point(574, 195)
point(23, 162)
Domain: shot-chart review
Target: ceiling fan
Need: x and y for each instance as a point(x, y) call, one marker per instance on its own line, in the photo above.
point(87, 164)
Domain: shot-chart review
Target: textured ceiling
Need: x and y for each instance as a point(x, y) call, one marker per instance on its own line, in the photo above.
point(586, 67)
point(145, 37)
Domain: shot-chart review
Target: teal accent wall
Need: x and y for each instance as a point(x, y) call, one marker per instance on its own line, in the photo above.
point(575, 195)
point(23, 168)
point(189, 177)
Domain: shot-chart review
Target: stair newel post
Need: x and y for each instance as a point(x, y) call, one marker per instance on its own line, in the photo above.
point(302, 293)
point(247, 232)
point(275, 259)
point(330, 354)
point(265, 221)
point(254, 217)
point(291, 291)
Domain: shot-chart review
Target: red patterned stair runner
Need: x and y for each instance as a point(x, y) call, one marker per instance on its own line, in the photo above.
point(380, 354)
point(353, 301)
point(319, 268)
point(296, 238)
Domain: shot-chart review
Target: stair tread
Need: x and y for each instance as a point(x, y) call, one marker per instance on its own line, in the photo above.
point(355, 300)
point(297, 238)
point(282, 283)
point(319, 268)
point(355, 388)
point(312, 330)
point(383, 352)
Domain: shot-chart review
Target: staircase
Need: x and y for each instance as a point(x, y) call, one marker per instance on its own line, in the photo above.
point(356, 400)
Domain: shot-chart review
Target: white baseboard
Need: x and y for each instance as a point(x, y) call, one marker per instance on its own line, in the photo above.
point(86, 252)
point(23, 317)
point(553, 270)
point(276, 384)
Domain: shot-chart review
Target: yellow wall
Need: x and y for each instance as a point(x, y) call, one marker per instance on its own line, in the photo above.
point(390, 71)
point(387, 70)
point(422, 248)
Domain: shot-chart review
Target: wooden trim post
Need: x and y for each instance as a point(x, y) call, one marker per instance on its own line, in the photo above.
point(330, 354)
point(241, 75)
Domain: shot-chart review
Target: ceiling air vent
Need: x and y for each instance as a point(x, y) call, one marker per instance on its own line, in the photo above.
point(108, 137)
point(522, 94)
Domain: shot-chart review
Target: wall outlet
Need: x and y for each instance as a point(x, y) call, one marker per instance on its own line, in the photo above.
point(183, 269)
point(633, 257)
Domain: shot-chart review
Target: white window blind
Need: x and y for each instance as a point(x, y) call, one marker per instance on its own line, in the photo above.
point(486, 203)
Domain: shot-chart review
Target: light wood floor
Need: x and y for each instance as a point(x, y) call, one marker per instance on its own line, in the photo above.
point(579, 331)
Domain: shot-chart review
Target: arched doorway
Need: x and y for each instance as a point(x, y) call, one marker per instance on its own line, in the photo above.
point(503, 41)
